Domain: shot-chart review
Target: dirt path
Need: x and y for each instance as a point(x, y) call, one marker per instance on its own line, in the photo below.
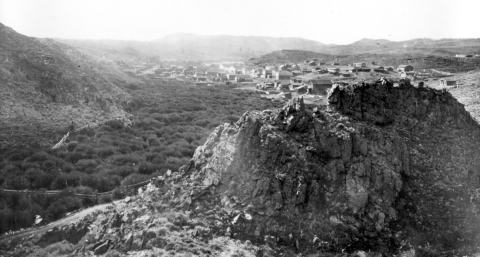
point(67, 220)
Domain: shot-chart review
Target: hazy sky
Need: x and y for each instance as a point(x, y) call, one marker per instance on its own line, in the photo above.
point(335, 21)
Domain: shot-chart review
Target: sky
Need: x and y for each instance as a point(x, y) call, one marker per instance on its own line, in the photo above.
point(330, 22)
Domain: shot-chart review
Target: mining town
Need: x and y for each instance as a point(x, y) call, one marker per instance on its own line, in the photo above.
point(239, 129)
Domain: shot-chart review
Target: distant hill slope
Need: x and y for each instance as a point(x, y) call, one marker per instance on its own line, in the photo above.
point(284, 56)
point(45, 85)
point(198, 47)
point(225, 47)
point(414, 46)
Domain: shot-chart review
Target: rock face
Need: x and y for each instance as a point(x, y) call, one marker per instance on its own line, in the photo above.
point(383, 168)
point(304, 175)
point(357, 171)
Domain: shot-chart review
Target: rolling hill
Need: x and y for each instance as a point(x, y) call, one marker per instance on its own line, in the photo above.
point(46, 85)
point(224, 47)
point(196, 47)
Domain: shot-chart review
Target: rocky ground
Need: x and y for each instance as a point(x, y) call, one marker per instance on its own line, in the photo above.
point(381, 171)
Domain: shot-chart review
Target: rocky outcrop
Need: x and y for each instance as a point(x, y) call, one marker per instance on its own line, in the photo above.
point(383, 168)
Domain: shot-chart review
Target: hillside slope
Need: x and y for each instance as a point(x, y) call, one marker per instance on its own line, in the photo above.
point(225, 47)
point(383, 169)
point(45, 86)
point(197, 47)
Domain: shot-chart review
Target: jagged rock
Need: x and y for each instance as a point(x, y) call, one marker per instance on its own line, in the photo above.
point(351, 175)
point(101, 249)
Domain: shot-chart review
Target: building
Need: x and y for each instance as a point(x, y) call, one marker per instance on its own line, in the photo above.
point(345, 74)
point(444, 82)
point(390, 68)
point(231, 76)
point(301, 89)
point(243, 78)
point(296, 80)
point(359, 64)
point(267, 74)
point(306, 70)
point(283, 85)
point(211, 73)
point(296, 73)
point(379, 69)
point(319, 86)
point(333, 70)
point(408, 74)
point(405, 68)
point(283, 75)
point(201, 78)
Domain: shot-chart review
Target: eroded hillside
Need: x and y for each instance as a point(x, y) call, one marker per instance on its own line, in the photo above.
point(45, 86)
point(382, 169)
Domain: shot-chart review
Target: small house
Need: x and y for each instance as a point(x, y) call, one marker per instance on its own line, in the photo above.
point(359, 64)
point(319, 86)
point(211, 73)
point(294, 86)
point(296, 80)
point(283, 75)
point(231, 76)
point(333, 70)
point(301, 89)
point(222, 74)
point(444, 82)
point(296, 73)
point(405, 68)
point(267, 74)
point(201, 78)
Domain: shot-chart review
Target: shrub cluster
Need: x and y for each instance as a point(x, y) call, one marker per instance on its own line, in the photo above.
point(170, 122)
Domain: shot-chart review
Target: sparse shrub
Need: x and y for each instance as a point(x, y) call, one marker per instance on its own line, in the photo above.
point(105, 152)
point(19, 155)
point(75, 157)
point(134, 179)
point(118, 194)
point(153, 141)
point(125, 160)
point(114, 124)
point(232, 118)
point(84, 164)
point(202, 123)
point(72, 145)
point(107, 198)
point(148, 168)
point(38, 157)
point(122, 171)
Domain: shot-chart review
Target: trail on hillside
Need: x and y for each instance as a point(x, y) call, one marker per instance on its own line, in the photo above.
point(69, 219)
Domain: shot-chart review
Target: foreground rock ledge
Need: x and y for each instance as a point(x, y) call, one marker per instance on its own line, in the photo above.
point(383, 168)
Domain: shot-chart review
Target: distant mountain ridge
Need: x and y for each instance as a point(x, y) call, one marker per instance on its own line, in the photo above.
point(201, 47)
point(186, 46)
point(45, 86)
